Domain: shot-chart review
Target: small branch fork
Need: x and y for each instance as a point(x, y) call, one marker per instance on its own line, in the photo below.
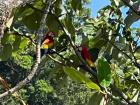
point(37, 62)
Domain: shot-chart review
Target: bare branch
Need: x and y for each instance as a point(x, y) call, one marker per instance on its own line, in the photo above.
point(57, 61)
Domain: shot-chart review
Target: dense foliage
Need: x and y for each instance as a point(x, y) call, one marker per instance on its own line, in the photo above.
point(62, 78)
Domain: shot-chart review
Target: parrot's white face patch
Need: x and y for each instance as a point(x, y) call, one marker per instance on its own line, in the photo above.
point(80, 48)
point(51, 34)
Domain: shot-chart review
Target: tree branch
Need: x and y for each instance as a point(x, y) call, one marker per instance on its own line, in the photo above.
point(122, 95)
point(131, 5)
point(36, 64)
point(6, 7)
point(57, 61)
point(134, 61)
point(7, 87)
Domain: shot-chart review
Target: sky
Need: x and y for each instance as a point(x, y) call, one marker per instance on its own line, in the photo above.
point(95, 5)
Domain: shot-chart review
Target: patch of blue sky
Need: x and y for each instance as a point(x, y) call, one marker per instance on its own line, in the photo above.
point(96, 5)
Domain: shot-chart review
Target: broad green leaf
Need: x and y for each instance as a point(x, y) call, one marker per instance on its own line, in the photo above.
point(23, 43)
point(16, 43)
point(104, 72)
point(4, 39)
point(88, 29)
point(76, 4)
point(53, 24)
point(92, 85)
point(38, 4)
point(7, 52)
point(96, 99)
point(24, 61)
point(25, 11)
point(81, 78)
point(32, 21)
point(69, 25)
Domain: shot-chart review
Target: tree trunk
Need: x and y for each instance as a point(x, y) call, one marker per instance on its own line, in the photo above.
point(6, 7)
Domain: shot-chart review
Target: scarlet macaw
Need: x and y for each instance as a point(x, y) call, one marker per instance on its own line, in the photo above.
point(89, 55)
point(47, 43)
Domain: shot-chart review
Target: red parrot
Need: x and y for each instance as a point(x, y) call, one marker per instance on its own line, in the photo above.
point(89, 55)
point(47, 43)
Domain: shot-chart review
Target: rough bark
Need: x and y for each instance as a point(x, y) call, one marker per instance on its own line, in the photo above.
point(6, 7)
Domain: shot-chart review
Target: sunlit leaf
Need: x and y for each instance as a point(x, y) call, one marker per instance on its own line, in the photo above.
point(23, 12)
point(16, 43)
point(32, 21)
point(4, 39)
point(53, 24)
point(38, 4)
point(81, 78)
point(23, 43)
point(104, 72)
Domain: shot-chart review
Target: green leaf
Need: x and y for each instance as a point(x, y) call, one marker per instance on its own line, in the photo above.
point(69, 25)
point(16, 43)
point(24, 11)
point(96, 96)
point(38, 4)
point(32, 21)
point(7, 52)
point(52, 23)
point(81, 78)
point(76, 4)
point(104, 72)
point(4, 39)
point(43, 87)
point(23, 43)
point(88, 29)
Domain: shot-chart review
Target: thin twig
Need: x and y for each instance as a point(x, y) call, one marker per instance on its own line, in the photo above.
point(57, 61)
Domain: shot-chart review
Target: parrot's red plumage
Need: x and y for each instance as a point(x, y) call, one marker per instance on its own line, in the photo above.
point(47, 43)
point(89, 56)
